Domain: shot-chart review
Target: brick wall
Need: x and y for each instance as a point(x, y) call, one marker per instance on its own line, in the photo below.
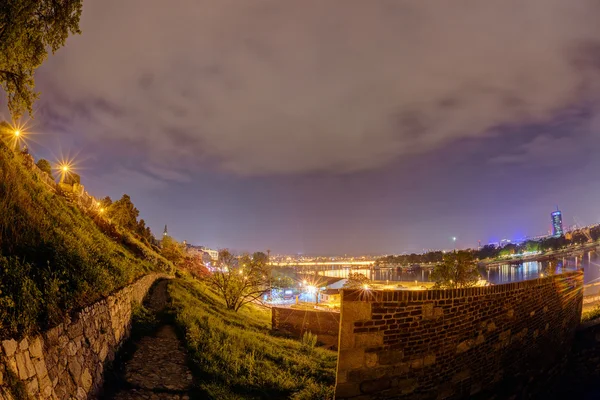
point(68, 361)
point(324, 324)
point(451, 344)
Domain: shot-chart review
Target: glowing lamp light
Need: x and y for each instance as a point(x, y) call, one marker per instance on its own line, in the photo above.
point(366, 287)
point(65, 168)
point(17, 133)
point(102, 210)
point(304, 282)
point(311, 289)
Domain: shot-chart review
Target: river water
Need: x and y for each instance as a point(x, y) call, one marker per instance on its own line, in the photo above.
point(506, 273)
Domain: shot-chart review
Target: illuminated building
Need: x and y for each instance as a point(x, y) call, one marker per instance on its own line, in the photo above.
point(557, 226)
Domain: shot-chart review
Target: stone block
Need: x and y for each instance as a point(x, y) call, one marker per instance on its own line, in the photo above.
point(480, 340)
point(347, 390)
point(404, 386)
point(367, 340)
point(81, 394)
point(388, 357)
point(24, 365)
point(491, 326)
point(11, 363)
point(32, 387)
point(86, 380)
point(376, 385)
point(24, 344)
point(427, 310)
point(346, 339)
point(352, 358)
point(40, 367)
point(74, 369)
point(429, 360)
point(461, 376)
point(1, 377)
point(370, 360)
point(72, 348)
point(464, 346)
point(10, 347)
point(36, 348)
point(356, 311)
point(45, 387)
point(416, 364)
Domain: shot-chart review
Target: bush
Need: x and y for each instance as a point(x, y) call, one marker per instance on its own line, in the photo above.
point(308, 342)
point(590, 314)
point(45, 166)
point(237, 356)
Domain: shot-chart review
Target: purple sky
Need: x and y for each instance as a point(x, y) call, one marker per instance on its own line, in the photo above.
point(344, 126)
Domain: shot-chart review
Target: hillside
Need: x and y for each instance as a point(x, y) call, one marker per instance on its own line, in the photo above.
point(236, 355)
point(54, 257)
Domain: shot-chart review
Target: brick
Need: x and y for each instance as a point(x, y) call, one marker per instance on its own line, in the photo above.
point(464, 339)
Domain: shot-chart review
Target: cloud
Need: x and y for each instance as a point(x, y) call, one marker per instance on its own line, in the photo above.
point(270, 87)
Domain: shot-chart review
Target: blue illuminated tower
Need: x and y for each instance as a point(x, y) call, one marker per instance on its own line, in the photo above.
point(557, 226)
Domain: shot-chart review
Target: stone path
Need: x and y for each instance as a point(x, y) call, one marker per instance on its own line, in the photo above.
point(157, 369)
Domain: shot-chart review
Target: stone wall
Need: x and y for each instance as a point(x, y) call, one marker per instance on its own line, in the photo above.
point(324, 324)
point(450, 344)
point(68, 361)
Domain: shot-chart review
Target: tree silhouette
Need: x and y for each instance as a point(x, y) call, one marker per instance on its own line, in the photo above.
point(240, 280)
point(45, 166)
point(27, 29)
point(457, 270)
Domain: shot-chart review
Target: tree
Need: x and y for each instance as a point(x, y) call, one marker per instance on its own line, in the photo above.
point(171, 250)
point(71, 178)
point(123, 213)
point(106, 202)
point(240, 281)
point(457, 270)
point(195, 266)
point(356, 281)
point(27, 29)
point(45, 166)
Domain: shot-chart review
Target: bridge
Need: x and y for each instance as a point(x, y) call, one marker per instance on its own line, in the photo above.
point(322, 263)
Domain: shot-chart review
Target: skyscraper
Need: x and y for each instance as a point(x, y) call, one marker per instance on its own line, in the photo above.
point(557, 226)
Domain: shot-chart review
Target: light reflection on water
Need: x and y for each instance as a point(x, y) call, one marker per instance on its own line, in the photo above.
point(499, 274)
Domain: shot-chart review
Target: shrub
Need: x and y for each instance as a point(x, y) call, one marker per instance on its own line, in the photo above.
point(308, 342)
point(45, 166)
point(590, 314)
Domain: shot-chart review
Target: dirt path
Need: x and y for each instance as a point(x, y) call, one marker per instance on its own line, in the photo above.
point(157, 369)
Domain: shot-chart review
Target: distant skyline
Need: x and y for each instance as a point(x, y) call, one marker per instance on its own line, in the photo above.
point(340, 127)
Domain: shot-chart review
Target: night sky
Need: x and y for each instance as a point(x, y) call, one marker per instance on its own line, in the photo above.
point(332, 127)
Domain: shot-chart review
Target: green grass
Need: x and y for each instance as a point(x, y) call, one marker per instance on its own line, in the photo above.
point(236, 356)
point(590, 314)
point(54, 258)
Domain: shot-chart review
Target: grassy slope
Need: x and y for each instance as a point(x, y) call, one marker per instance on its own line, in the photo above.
point(238, 358)
point(53, 257)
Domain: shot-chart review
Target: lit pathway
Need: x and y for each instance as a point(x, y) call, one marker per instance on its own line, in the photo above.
point(157, 369)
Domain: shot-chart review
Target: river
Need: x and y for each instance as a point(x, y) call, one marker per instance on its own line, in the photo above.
point(505, 273)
